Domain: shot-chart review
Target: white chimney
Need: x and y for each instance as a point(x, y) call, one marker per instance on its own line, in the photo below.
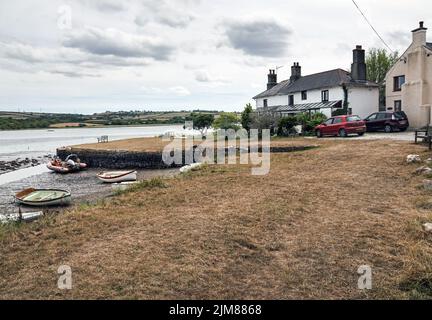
point(419, 35)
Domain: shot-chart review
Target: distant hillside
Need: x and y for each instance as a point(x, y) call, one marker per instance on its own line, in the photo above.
point(34, 120)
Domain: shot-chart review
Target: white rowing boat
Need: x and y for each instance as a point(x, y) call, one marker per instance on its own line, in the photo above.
point(117, 176)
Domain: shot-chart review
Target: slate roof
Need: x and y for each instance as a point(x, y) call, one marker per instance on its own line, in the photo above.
point(327, 79)
point(429, 45)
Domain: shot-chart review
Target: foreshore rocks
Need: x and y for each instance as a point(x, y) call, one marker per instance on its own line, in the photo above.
point(12, 165)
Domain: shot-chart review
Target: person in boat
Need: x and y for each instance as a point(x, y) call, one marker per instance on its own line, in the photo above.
point(57, 162)
point(73, 162)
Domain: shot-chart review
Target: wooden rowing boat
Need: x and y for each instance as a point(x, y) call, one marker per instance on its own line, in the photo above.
point(117, 176)
point(43, 197)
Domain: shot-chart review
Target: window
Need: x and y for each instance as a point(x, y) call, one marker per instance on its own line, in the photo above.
point(304, 95)
point(398, 105)
point(325, 96)
point(382, 116)
point(265, 103)
point(372, 117)
point(337, 120)
point(398, 82)
point(329, 121)
point(353, 118)
point(291, 100)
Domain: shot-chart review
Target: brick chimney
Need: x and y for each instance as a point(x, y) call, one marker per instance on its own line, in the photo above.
point(419, 35)
point(295, 72)
point(272, 79)
point(358, 67)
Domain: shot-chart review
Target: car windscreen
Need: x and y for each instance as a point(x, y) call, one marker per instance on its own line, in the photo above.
point(353, 118)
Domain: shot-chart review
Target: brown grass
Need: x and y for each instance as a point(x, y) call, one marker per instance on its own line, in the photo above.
point(136, 145)
point(300, 232)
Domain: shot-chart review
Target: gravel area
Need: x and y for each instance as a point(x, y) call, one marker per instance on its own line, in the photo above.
point(84, 186)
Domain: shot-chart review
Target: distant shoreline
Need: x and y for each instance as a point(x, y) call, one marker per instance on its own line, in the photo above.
point(99, 127)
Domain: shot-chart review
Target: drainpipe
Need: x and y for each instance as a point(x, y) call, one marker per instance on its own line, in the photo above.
point(345, 102)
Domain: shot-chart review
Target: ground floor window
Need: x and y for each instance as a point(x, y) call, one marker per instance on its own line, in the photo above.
point(265, 103)
point(398, 105)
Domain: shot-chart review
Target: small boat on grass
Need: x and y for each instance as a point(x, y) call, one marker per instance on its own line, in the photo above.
point(123, 186)
point(117, 176)
point(17, 217)
point(190, 167)
point(43, 197)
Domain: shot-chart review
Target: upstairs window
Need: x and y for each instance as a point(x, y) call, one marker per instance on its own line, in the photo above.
point(325, 96)
point(304, 95)
point(398, 82)
point(291, 100)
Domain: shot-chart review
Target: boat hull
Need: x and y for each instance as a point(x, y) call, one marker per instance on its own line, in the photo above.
point(43, 197)
point(65, 170)
point(117, 176)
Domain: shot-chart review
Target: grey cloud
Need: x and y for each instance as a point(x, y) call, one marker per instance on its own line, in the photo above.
point(400, 39)
point(69, 62)
point(174, 14)
point(105, 5)
point(117, 43)
point(258, 37)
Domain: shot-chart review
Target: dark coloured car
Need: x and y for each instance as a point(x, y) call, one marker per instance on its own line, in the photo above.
point(341, 126)
point(387, 121)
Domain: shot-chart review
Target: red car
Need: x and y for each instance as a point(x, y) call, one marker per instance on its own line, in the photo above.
point(341, 126)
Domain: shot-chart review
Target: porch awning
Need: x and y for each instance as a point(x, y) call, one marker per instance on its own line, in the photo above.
point(308, 106)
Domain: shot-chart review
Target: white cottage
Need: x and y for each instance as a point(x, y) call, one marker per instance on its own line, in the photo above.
point(323, 92)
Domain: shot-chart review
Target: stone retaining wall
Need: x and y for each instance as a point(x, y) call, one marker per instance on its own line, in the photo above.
point(145, 160)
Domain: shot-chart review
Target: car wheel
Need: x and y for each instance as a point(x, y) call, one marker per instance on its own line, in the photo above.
point(361, 134)
point(388, 128)
point(343, 133)
point(318, 134)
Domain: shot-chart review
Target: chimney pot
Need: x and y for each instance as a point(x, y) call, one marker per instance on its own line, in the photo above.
point(272, 79)
point(421, 24)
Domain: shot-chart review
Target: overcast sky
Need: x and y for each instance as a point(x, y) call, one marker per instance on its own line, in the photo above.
point(88, 56)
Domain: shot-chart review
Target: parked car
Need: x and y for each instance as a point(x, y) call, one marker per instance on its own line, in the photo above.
point(387, 121)
point(341, 126)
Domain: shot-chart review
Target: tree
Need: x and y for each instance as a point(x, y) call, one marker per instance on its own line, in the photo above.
point(226, 120)
point(201, 121)
point(378, 63)
point(247, 117)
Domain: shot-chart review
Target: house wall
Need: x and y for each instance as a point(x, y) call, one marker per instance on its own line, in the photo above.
point(313, 96)
point(416, 93)
point(363, 101)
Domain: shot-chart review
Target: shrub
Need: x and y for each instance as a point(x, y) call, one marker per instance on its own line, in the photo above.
point(286, 125)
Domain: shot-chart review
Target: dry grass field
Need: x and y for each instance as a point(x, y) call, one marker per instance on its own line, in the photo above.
point(220, 233)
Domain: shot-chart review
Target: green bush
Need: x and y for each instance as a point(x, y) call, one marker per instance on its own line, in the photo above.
point(286, 125)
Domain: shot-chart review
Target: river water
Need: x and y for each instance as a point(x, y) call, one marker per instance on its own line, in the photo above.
point(37, 143)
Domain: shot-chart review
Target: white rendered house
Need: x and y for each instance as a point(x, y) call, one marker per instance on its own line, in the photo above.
point(322, 92)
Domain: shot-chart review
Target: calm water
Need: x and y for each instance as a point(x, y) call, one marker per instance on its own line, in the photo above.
point(35, 143)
